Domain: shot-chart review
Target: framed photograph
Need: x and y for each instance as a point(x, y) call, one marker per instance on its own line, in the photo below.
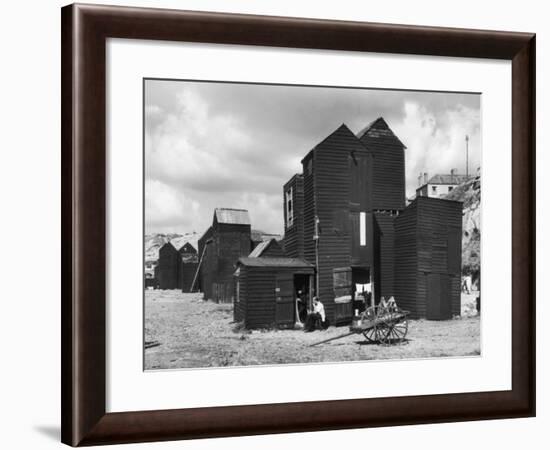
point(277, 225)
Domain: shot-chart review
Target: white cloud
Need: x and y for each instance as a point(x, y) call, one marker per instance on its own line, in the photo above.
point(211, 145)
point(436, 142)
point(166, 206)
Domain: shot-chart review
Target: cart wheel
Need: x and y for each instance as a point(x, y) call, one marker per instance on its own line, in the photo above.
point(380, 331)
point(383, 330)
point(368, 315)
point(397, 329)
point(371, 335)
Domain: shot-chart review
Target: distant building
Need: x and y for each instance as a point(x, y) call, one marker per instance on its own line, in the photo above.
point(270, 248)
point(168, 267)
point(258, 236)
point(438, 186)
point(176, 267)
point(225, 241)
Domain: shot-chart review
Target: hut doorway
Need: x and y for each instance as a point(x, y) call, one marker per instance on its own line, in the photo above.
point(303, 285)
point(293, 295)
point(362, 287)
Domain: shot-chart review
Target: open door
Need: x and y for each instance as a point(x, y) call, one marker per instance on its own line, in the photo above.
point(284, 300)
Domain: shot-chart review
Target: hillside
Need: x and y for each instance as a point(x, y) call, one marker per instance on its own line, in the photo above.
point(470, 194)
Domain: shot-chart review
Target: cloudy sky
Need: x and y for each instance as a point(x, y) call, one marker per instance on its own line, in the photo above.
point(213, 145)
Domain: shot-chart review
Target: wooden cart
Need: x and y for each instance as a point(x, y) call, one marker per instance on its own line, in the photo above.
point(379, 324)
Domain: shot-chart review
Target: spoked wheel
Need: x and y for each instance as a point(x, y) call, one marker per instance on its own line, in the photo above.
point(379, 332)
point(396, 329)
point(371, 334)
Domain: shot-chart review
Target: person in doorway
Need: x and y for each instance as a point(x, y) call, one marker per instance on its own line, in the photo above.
point(301, 306)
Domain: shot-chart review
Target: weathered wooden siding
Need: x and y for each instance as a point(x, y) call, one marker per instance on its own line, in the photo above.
point(332, 206)
point(385, 257)
point(406, 260)
point(257, 303)
point(274, 250)
point(294, 234)
point(168, 272)
point(187, 273)
point(203, 273)
point(229, 243)
point(428, 256)
point(440, 234)
point(241, 295)
point(388, 166)
point(309, 208)
point(260, 301)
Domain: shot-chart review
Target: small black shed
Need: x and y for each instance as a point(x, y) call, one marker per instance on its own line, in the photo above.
point(266, 290)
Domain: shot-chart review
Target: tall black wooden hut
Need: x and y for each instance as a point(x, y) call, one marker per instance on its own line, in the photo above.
point(344, 229)
point(219, 249)
point(341, 215)
point(168, 267)
point(265, 290)
point(428, 241)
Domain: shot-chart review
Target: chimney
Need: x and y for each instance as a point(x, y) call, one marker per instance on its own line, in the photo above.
point(453, 172)
point(420, 179)
point(425, 177)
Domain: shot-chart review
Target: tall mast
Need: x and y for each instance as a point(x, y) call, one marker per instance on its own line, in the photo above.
point(467, 139)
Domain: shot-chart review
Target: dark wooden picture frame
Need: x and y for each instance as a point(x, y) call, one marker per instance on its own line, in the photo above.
point(85, 30)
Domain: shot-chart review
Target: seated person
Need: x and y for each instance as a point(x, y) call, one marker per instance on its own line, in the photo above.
point(316, 319)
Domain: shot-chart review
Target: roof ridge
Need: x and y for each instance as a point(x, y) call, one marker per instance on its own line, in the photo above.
point(370, 126)
point(232, 209)
point(343, 125)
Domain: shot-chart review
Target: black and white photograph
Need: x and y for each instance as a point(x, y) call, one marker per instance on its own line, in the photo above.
point(291, 224)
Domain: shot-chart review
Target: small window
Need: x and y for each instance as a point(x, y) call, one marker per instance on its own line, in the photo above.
point(450, 188)
point(289, 208)
point(434, 189)
point(362, 229)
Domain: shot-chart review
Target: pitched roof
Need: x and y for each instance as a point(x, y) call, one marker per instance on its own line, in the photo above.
point(259, 249)
point(261, 236)
point(232, 216)
point(448, 178)
point(341, 130)
point(376, 129)
point(274, 262)
point(187, 248)
point(262, 247)
point(168, 245)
